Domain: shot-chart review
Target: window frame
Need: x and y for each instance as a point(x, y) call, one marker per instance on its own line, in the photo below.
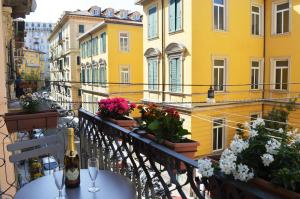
point(157, 22)
point(225, 67)
point(225, 15)
point(274, 17)
point(180, 58)
point(128, 41)
point(155, 85)
point(103, 48)
point(260, 74)
point(175, 17)
point(273, 75)
point(261, 17)
point(223, 127)
point(79, 26)
point(129, 75)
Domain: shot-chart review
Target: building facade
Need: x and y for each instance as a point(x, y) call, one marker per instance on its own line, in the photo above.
point(37, 34)
point(33, 67)
point(111, 61)
point(233, 47)
point(65, 56)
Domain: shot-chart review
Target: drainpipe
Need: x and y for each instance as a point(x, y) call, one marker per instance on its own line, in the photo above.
point(91, 37)
point(163, 51)
point(264, 55)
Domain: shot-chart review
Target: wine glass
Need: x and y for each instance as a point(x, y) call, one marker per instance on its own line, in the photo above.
point(93, 166)
point(59, 178)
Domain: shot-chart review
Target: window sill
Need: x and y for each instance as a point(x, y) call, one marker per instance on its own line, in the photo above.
point(260, 36)
point(175, 32)
point(255, 90)
point(175, 93)
point(280, 91)
point(286, 34)
point(153, 91)
point(220, 31)
point(153, 38)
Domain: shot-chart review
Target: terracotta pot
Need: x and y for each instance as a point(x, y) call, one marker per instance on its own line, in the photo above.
point(27, 122)
point(188, 148)
point(126, 123)
point(273, 189)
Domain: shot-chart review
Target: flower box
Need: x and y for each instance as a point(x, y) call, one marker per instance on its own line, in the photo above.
point(27, 122)
point(273, 189)
point(126, 123)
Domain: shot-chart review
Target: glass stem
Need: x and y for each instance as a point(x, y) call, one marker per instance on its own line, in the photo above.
point(60, 193)
point(94, 184)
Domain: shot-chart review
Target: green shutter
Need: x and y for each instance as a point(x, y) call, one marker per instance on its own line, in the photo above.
point(103, 42)
point(150, 74)
point(173, 75)
point(152, 23)
point(96, 46)
point(155, 75)
point(178, 73)
point(172, 9)
point(178, 14)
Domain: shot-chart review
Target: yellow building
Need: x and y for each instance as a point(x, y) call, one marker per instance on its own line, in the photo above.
point(64, 54)
point(111, 61)
point(33, 66)
point(190, 45)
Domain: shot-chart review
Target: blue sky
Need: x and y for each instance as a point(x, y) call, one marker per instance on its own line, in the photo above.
point(50, 10)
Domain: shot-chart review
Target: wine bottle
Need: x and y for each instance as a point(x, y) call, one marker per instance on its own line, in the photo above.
point(71, 160)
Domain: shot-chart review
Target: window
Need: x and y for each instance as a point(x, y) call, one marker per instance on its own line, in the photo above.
point(81, 28)
point(282, 17)
point(219, 74)
point(256, 15)
point(87, 75)
point(124, 42)
point(83, 74)
point(175, 75)
point(95, 46)
point(152, 23)
point(255, 75)
point(102, 73)
point(78, 60)
point(219, 15)
point(175, 15)
point(281, 74)
point(95, 12)
point(103, 42)
point(89, 48)
point(152, 74)
point(218, 134)
point(124, 73)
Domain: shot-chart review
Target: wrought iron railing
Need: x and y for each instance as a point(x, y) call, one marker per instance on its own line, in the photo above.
point(155, 171)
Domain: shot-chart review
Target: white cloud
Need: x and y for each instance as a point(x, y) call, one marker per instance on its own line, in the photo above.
point(50, 11)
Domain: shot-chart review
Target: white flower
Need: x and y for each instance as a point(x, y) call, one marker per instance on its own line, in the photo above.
point(290, 133)
point(272, 146)
point(267, 159)
point(247, 125)
point(258, 122)
point(280, 130)
point(253, 133)
point(238, 145)
point(236, 136)
point(295, 131)
point(227, 162)
point(205, 167)
point(243, 173)
point(297, 138)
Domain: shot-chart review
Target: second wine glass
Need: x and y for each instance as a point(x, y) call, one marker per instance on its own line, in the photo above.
point(93, 166)
point(59, 178)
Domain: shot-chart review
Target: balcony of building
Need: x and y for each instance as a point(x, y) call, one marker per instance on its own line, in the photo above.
point(154, 170)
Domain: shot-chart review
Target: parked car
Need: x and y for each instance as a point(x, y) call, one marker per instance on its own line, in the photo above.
point(38, 133)
point(49, 165)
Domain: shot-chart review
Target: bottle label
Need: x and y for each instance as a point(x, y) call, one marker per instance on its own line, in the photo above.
point(72, 174)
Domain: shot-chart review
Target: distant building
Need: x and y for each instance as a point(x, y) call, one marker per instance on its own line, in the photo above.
point(37, 34)
point(65, 63)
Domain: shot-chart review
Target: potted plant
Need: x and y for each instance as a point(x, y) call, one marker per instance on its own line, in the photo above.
point(166, 127)
point(117, 110)
point(268, 159)
point(31, 117)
